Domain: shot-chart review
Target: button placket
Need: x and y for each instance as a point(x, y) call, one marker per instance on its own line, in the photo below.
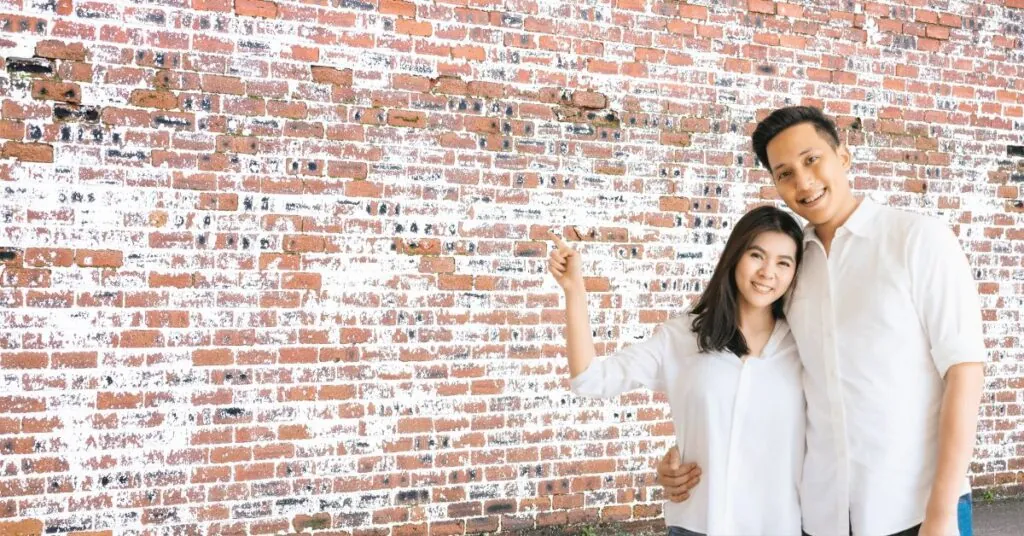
point(834, 378)
point(739, 409)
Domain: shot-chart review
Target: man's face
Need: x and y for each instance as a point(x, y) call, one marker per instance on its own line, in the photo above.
point(809, 174)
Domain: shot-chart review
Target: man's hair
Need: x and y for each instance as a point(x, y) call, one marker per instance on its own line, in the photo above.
point(784, 118)
point(716, 314)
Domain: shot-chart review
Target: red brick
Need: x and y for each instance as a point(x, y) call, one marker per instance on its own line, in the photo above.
point(49, 299)
point(486, 89)
point(455, 282)
point(223, 6)
point(12, 130)
point(589, 99)
point(39, 257)
point(212, 357)
point(255, 471)
point(291, 110)
point(141, 338)
point(406, 118)
point(73, 360)
point(56, 91)
point(159, 280)
point(167, 319)
point(145, 98)
point(26, 527)
point(60, 50)
point(450, 85)
point(330, 75)
point(397, 7)
point(28, 152)
point(210, 201)
point(362, 189)
point(426, 246)
point(213, 83)
point(693, 12)
point(92, 258)
point(256, 8)
point(412, 27)
point(300, 280)
point(432, 264)
point(469, 52)
point(23, 360)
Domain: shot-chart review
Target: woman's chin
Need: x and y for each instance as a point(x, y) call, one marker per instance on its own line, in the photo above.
point(760, 301)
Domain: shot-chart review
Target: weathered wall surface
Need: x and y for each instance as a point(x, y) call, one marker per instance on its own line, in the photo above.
point(279, 265)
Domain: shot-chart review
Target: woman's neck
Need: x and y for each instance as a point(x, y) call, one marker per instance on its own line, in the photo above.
point(756, 325)
point(754, 320)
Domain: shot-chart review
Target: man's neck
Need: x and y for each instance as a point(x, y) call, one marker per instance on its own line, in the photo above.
point(827, 231)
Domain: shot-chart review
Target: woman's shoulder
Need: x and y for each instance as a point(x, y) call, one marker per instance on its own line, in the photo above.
point(679, 330)
point(681, 324)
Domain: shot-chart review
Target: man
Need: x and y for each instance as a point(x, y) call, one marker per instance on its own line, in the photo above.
point(886, 317)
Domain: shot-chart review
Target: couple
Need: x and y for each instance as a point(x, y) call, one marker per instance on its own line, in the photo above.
point(827, 382)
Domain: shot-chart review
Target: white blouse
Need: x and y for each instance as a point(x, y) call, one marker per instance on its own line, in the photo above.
point(741, 422)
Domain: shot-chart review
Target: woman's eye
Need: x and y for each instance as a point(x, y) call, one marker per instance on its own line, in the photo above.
point(785, 175)
point(812, 159)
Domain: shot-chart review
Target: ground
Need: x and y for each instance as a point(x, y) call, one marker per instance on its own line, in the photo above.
point(992, 518)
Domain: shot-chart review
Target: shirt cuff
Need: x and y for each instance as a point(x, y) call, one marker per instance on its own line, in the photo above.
point(947, 356)
point(585, 382)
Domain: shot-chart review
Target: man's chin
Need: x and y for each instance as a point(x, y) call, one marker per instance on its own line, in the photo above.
point(818, 216)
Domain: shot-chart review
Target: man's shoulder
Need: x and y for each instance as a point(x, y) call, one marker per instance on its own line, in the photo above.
point(910, 225)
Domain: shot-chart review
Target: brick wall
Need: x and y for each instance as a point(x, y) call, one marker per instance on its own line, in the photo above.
point(275, 265)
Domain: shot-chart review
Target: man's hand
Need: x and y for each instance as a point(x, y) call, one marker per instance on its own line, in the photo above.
point(677, 478)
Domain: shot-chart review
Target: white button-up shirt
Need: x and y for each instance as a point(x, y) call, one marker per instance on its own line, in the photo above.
point(878, 322)
point(742, 422)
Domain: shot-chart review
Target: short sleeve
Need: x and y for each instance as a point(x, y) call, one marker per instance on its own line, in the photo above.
point(945, 296)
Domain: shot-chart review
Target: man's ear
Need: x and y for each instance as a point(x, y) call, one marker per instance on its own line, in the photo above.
point(845, 157)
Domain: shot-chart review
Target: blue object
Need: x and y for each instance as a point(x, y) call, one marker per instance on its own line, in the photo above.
point(965, 515)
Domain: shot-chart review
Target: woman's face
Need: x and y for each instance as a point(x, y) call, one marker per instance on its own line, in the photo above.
point(766, 269)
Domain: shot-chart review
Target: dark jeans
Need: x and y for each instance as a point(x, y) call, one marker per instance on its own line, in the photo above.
point(964, 519)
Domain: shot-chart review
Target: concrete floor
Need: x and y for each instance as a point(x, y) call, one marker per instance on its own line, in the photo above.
point(999, 518)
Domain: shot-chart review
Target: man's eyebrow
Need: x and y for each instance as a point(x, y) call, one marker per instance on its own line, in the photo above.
point(805, 151)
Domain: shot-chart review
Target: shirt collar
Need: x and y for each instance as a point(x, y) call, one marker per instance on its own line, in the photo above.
point(859, 223)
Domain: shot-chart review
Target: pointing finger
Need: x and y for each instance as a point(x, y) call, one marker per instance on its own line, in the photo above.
point(558, 241)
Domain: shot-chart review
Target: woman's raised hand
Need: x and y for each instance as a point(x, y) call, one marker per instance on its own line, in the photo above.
point(564, 264)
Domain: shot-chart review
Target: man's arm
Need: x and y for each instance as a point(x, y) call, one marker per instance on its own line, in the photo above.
point(958, 427)
point(946, 298)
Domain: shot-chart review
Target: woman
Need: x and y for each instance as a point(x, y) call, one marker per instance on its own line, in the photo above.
point(731, 371)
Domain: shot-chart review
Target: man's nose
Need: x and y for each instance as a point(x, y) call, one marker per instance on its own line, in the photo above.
point(804, 180)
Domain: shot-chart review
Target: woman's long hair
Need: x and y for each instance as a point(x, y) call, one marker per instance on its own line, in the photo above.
point(716, 318)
